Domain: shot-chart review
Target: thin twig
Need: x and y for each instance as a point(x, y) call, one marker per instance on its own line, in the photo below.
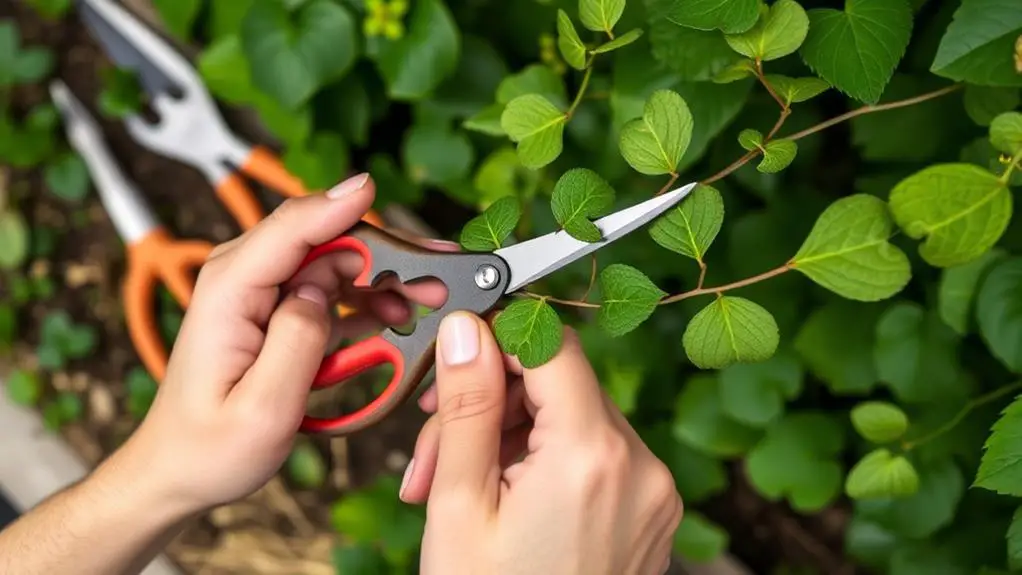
point(769, 88)
point(592, 278)
point(667, 186)
point(727, 287)
point(962, 414)
point(702, 273)
point(581, 90)
point(570, 302)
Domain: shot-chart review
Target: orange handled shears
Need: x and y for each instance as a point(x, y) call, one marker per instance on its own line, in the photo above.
point(152, 253)
point(189, 127)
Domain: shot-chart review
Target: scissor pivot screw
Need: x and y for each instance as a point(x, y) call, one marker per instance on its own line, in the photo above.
point(487, 277)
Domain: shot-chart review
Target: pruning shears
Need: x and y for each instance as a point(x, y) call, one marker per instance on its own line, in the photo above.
point(189, 128)
point(476, 282)
point(153, 254)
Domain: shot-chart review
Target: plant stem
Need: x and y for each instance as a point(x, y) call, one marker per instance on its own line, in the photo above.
point(874, 108)
point(592, 278)
point(961, 415)
point(702, 274)
point(581, 90)
point(726, 287)
point(769, 88)
point(1006, 176)
point(667, 186)
point(571, 302)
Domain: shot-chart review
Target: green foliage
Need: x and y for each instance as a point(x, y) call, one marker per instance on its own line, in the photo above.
point(141, 391)
point(780, 31)
point(530, 330)
point(730, 330)
point(121, 93)
point(24, 387)
point(690, 227)
point(755, 393)
point(579, 195)
point(68, 178)
point(628, 298)
point(20, 64)
point(882, 474)
point(374, 518)
point(974, 46)
point(879, 422)
point(698, 539)
point(14, 239)
point(655, 143)
point(998, 311)
point(305, 466)
point(62, 340)
point(489, 230)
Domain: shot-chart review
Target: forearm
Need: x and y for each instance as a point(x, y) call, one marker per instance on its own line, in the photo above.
point(114, 522)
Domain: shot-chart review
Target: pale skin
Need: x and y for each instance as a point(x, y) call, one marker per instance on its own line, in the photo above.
point(521, 470)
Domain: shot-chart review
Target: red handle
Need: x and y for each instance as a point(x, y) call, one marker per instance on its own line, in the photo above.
point(348, 363)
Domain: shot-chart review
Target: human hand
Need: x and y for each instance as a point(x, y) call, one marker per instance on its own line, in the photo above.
point(588, 497)
point(225, 417)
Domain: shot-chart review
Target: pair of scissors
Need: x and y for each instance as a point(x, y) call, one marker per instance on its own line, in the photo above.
point(153, 254)
point(476, 282)
point(189, 129)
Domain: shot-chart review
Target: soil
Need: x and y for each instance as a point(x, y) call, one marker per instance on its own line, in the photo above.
point(282, 529)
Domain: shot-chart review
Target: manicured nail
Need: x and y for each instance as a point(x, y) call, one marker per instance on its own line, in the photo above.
point(406, 478)
point(459, 339)
point(351, 185)
point(311, 293)
point(441, 244)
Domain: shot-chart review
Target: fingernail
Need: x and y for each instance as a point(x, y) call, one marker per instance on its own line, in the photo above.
point(406, 478)
point(444, 244)
point(459, 339)
point(352, 184)
point(311, 293)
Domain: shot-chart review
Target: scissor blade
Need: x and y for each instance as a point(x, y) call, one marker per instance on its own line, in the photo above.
point(539, 257)
point(125, 40)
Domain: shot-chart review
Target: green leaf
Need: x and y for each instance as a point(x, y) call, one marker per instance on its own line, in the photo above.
point(858, 49)
point(655, 143)
point(600, 15)
point(695, 55)
point(486, 121)
point(700, 422)
point(797, 460)
point(795, 90)
point(8, 327)
point(961, 210)
point(70, 406)
point(777, 155)
point(958, 286)
point(361, 558)
point(530, 330)
point(13, 240)
point(984, 103)
point(848, 253)
point(32, 65)
point(224, 70)
point(1006, 133)
point(1000, 469)
point(932, 507)
point(320, 162)
point(698, 539)
point(141, 392)
point(51, 9)
point(740, 70)
point(305, 466)
point(622, 383)
point(345, 107)
point(535, 79)
point(978, 44)
point(750, 139)
point(434, 154)
point(728, 16)
point(881, 474)
point(488, 231)
point(292, 55)
point(629, 298)
point(1015, 539)
point(999, 312)
point(619, 42)
point(581, 194)
point(24, 388)
point(425, 56)
point(697, 475)
point(836, 344)
point(879, 421)
point(730, 330)
point(292, 127)
point(178, 15)
point(779, 32)
point(226, 17)
point(537, 126)
point(121, 94)
point(916, 355)
point(502, 174)
point(568, 42)
point(690, 227)
point(68, 177)
point(755, 393)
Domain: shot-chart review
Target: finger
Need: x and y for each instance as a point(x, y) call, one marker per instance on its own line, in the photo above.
point(471, 393)
point(296, 338)
point(419, 474)
point(565, 392)
point(428, 400)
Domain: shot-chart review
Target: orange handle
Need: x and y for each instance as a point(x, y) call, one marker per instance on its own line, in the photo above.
point(240, 201)
point(158, 256)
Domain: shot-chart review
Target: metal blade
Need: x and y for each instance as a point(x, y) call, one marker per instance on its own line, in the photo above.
point(539, 257)
point(126, 41)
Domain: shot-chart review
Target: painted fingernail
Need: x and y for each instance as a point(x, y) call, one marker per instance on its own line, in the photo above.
point(459, 339)
point(351, 185)
point(406, 478)
point(311, 293)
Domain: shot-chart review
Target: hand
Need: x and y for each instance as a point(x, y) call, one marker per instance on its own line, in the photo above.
point(588, 497)
point(253, 338)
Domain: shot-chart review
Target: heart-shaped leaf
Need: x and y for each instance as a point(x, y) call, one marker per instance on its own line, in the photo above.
point(879, 421)
point(730, 330)
point(690, 227)
point(13, 240)
point(999, 312)
point(568, 42)
point(777, 155)
point(600, 15)
point(858, 49)
point(537, 126)
point(1006, 133)
point(728, 16)
point(530, 330)
point(882, 474)
point(619, 42)
point(700, 421)
point(68, 178)
point(755, 393)
point(628, 299)
point(848, 253)
point(961, 210)
point(795, 90)
point(655, 143)
point(779, 32)
point(581, 194)
point(488, 231)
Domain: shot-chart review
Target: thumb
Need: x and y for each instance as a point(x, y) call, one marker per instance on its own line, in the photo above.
point(296, 338)
point(470, 385)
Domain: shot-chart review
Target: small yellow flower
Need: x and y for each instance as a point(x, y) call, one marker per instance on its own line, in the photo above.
point(385, 18)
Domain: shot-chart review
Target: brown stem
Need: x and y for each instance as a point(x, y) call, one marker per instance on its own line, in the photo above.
point(726, 287)
point(573, 303)
point(874, 108)
point(769, 88)
point(777, 125)
point(702, 274)
point(592, 279)
point(667, 186)
point(732, 167)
